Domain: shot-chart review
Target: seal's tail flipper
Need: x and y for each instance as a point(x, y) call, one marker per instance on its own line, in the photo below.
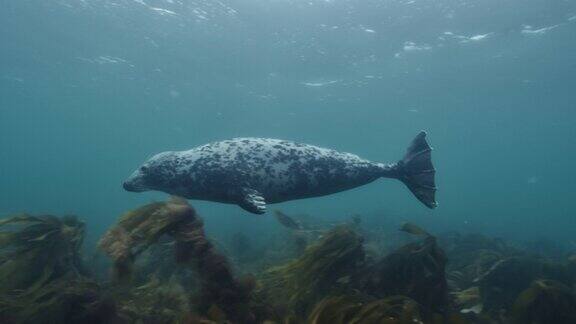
point(417, 172)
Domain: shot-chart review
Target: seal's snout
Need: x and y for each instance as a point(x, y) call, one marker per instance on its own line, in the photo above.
point(134, 184)
point(132, 187)
point(126, 185)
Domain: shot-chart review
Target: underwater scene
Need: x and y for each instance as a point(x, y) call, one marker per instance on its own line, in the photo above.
point(288, 161)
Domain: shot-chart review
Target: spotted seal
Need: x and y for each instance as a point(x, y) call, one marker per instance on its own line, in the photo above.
point(252, 172)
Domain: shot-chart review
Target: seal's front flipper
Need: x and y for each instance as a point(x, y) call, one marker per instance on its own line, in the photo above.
point(417, 172)
point(252, 201)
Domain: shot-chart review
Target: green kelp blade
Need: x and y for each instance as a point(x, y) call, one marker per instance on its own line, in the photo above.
point(22, 218)
point(6, 238)
point(413, 229)
point(287, 221)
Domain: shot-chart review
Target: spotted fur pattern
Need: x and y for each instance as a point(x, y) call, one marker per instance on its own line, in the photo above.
point(276, 170)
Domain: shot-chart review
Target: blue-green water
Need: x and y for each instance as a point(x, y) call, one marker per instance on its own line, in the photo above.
point(90, 88)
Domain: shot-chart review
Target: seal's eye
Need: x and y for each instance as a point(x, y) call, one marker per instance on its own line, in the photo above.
point(144, 169)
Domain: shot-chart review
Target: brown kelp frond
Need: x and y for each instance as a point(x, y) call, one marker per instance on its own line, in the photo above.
point(393, 309)
point(221, 293)
point(36, 249)
point(154, 302)
point(323, 266)
point(145, 225)
point(65, 300)
point(467, 298)
point(545, 301)
point(413, 229)
point(287, 221)
point(472, 255)
point(334, 310)
point(344, 310)
point(338, 251)
point(502, 283)
point(138, 229)
point(25, 232)
point(40, 273)
point(416, 270)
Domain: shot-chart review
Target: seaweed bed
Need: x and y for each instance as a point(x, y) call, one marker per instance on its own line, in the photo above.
point(164, 269)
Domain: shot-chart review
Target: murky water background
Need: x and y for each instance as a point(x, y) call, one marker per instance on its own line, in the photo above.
point(90, 89)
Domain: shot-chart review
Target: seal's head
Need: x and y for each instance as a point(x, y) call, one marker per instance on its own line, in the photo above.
point(154, 174)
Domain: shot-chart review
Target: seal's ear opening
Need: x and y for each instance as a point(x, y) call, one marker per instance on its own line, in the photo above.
point(417, 171)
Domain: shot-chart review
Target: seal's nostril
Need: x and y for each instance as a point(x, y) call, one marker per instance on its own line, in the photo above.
point(126, 186)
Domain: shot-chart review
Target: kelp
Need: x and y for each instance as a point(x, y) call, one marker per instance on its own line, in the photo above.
point(287, 221)
point(326, 266)
point(154, 301)
point(41, 276)
point(469, 274)
point(334, 310)
point(414, 229)
point(298, 234)
point(35, 250)
point(346, 310)
point(416, 270)
point(65, 300)
point(139, 229)
point(219, 287)
point(472, 255)
point(159, 261)
point(468, 300)
point(545, 301)
point(180, 277)
point(500, 286)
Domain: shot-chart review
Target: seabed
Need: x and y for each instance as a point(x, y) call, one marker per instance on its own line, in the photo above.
point(157, 265)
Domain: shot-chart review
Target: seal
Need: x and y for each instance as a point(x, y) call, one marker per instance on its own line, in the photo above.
point(251, 172)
